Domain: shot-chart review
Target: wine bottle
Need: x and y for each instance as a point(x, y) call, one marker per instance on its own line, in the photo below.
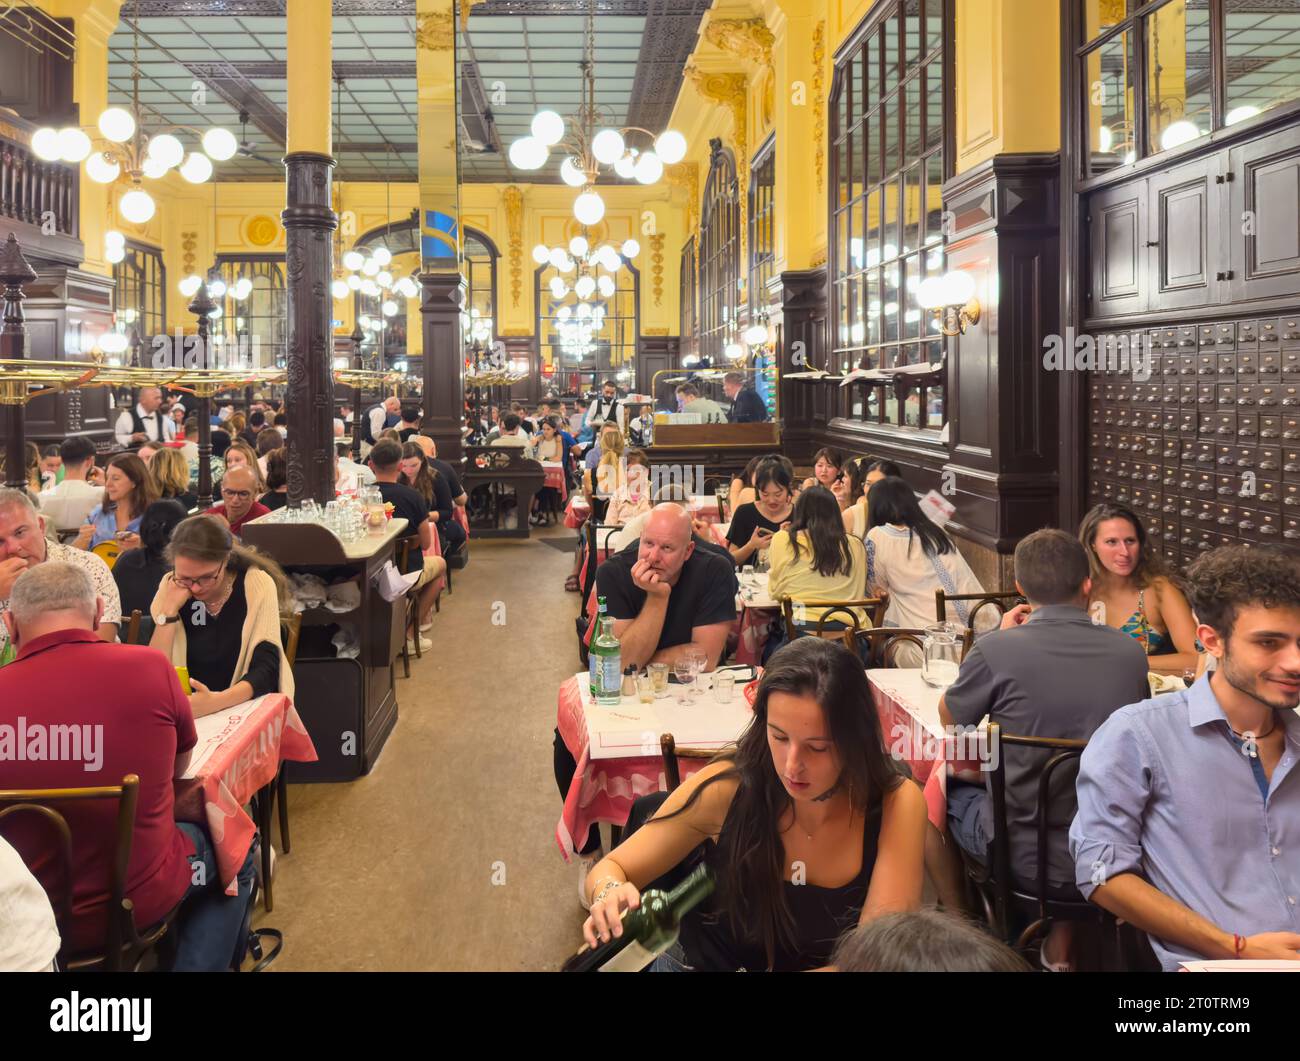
point(606, 654)
point(593, 658)
point(648, 931)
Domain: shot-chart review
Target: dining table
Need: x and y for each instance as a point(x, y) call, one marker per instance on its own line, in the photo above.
point(758, 613)
point(237, 757)
point(554, 477)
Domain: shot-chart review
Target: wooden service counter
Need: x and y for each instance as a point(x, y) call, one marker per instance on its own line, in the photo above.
point(348, 705)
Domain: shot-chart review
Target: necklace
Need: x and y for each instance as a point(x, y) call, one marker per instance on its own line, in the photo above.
point(214, 607)
point(1254, 736)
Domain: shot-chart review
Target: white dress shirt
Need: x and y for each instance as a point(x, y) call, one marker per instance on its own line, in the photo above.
point(67, 505)
point(125, 428)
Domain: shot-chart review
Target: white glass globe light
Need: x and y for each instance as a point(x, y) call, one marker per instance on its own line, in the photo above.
point(112, 342)
point(190, 285)
point(528, 153)
point(117, 124)
point(196, 168)
point(382, 255)
point(547, 127)
point(113, 238)
point(606, 286)
point(389, 307)
point(648, 168)
point(339, 289)
point(589, 207)
point(74, 145)
point(958, 286)
point(625, 167)
point(571, 174)
point(166, 149)
point(114, 254)
point(384, 279)
point(563, 313)
point(568, 265)
point(243, 287)
point(153, 168)
point(1181, 132)
point(101, 169)
point(670, 146)
point(137, 206)
point(557, 257)
point(217, 289)
point(370, 267)
point(220, 144)
point(607, 146)
point(408, 287)
point(610, 258)
point(930, 293)
point(369, 287)
point(353, 260)
point(578, 246)
point(558, 287)
point(541, 254)
point(364, 320)
point(1240, 114)
point(733, 352)
point(45, 142)
point(353, 282)
point(584, 311)
point(631, 248)
point(584, 287)
point(755, 334)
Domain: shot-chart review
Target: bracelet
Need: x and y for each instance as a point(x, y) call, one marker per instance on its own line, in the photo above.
point(610, 885)
point(1238, 945)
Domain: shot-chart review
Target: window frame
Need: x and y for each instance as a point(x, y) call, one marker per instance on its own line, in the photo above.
point(603, 369)
point(761, 221)
point(717, 259)
point(227, 267)
point(137, 254)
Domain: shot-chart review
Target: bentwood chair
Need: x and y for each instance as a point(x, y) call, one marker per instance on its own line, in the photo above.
point(842, 612)
point(594, 535)
point(124, 946)
point(879, 647)
point(1002, 602)
point(133, 628)
point(671, 753)
point(1022, 913)
point(403, 553)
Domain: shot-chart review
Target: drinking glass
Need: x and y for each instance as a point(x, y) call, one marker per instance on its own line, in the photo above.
point(684, 669)
point(659, 675)
point(941, 657)
point(645, 688)
point(724, 682)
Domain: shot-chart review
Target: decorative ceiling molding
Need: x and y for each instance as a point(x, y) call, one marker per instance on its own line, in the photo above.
point(672, 29)
point(745, 38)
point(657, 267)
point(687, 175)
point(731, 90)
point(435, 31)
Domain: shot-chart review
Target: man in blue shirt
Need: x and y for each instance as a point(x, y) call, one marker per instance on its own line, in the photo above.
point(1189, 803)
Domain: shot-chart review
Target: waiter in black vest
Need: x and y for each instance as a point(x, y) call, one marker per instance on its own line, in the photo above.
point(604, 407)
point(746, 406)
point(145, 422)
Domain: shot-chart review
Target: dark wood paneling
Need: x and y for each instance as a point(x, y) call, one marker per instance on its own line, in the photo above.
point(656, 353)
point(1117, 235)
point(1185, 236)
point(801, 339)
point(444, 361)
point(1265, 210)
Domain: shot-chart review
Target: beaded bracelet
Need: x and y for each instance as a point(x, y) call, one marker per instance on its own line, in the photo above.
point(610, 885)
point(1238, 945)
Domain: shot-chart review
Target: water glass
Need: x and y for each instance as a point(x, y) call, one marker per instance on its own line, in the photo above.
point(724, 682)
point(645, 688)
point(659, 676)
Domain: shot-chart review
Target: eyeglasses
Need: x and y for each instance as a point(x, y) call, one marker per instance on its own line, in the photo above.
point(202, 581)
point(238, 495)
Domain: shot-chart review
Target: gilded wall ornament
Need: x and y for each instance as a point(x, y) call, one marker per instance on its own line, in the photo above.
point(514, 203)
point(819, 101)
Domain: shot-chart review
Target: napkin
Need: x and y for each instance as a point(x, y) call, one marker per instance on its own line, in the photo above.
point(1164, 683)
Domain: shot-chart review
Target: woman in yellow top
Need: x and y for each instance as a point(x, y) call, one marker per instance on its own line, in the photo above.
point(815, 560)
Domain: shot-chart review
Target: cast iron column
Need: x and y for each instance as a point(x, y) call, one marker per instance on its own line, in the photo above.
point(14, 272)
point(441, 300)
point(202, 305)
point(309, 396)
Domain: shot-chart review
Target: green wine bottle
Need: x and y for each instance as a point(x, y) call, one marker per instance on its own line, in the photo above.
point(648, 931)
point(607, 664)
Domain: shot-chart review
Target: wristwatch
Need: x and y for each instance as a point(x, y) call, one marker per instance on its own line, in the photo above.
point(163, 620)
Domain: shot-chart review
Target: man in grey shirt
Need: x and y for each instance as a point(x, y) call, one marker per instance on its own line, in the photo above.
point(1048, 672)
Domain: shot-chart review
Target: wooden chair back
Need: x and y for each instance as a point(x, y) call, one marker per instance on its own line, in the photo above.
point(671, 753)
point(834, 611)
point(290, 631)
point(123, 946)
point(133, 627)
point(1003, 602)
point(879, 646)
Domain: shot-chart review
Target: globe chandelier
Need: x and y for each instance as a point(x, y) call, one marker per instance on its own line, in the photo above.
point(588, 142)
point(123, 151)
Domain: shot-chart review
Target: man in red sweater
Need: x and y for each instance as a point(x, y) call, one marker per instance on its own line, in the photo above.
point(79, 712)
point(239, 501)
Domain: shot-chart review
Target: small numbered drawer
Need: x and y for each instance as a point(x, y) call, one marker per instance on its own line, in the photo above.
point(1096, 415)
point(1124, 493)
point(1270, 364)
point(1169, 394)
point(1268, 396)
point(1227, 366)
point(1269, 525)
point(1245, 520)
point(1291, 528)
point(1188, 506)
point(1226, 485)
point(1247, 366)
point(1186, 336)
point(1225, 539)
point(1269, 334)
point(1206, 336)
point(1225, 335)
point(1122, 418)
point(1291, 463)
point(1172, 476)
point(1155, 530)
point(1167, 339)
point(1108, 490)
point(1291, 496)
point(1247, 334)
point(1205, 483)
point(1152, 394)
point(1169, 503)
point(1095, 496)
point(1123, 394)
point(1187, 536)
point(1096, 467)
point(1247, 457)
point(1290, 393)
point(1290, 329)
point(1096, 441)
point(1171, 530)
point(1108, 393)
point(1207, 365)
point(1290, 428)
point(1170, 425)
point(1187, 394)
point(1139, 498)
point(1290, 363)
point(1224, 425)
point(1209, 394)
point(1207, 453)
point(1206, 540)
point(1266, 490)
point(1226, 517)
point(1208, 423)
point(1187, 480)
point(1168, 365)
point(1155, 445)
point(1110, 418)
point(1187, 365)
point(1123, 442)
point(1151, 473)
point(1187, 422)
point(1155, 501)
point(1123, 469)
point(1269, 426)
point(1097, 391)
point(1270, 459)
point(1248, 426)
point(1108, 442)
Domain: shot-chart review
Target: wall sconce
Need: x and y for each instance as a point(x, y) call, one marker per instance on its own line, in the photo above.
point(952, 300)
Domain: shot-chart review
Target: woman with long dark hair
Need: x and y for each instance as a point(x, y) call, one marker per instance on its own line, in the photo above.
point(828, 465)
point(128, 491)
point(741, 491)
point(909, 557)
point(860, 475)
point(1132, 591)
point(431, 485)
point(753, 525)
point(814, 559)
point(809, 826)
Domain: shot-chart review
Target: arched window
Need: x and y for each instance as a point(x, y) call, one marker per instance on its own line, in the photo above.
point(252, 328)
point(889, 159)
point(762, 223)
point(689, 289)
point(141, 295)
point(584, 354)
point(719, 254)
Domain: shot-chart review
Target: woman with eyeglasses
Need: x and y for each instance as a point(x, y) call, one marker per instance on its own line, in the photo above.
point(218, 614)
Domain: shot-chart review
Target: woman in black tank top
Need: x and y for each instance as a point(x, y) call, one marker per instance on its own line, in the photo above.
point(808, 824)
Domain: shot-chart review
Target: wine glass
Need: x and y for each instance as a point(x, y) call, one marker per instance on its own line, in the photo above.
point(684, 669)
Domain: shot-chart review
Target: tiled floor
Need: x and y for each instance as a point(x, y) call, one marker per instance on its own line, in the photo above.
point(444, 857)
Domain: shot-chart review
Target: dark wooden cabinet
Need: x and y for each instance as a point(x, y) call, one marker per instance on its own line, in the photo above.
point(1264, 217)
point(1184, 236)
point(1117, 236)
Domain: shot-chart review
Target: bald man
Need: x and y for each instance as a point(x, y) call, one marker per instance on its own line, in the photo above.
point(666, 595)
point(146, 422)
point(239, 501)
